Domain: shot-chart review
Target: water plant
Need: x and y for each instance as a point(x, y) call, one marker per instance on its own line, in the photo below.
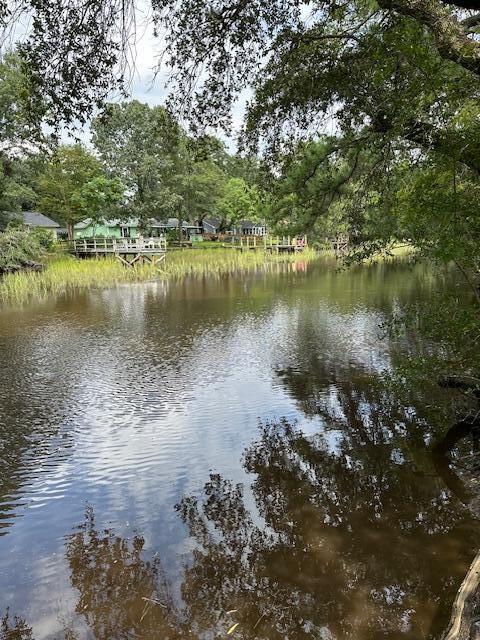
point(66, 273)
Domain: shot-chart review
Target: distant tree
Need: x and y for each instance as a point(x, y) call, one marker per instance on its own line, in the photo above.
point(19, 174)
point(99, 198)
point(200, 191)
point(194, 186)
point(246, 167)
point(208, 147)
point(21, 138)
point(70, 168)
point(166, 172)
point(135, 143)
point(15, 195)
point(239, 202)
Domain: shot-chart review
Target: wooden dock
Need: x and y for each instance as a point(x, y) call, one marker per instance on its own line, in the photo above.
point(285, 244)
point(271, 244)
point(129, 251)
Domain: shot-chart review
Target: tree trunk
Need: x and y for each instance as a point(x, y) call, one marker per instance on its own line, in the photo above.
point(180, 229)
point(462, 621)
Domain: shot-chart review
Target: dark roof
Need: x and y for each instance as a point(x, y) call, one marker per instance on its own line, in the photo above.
point(132, 222)
point(35, 219)
point(173, 224)
point(248, 224)
point(215, 223)
point(170, 223)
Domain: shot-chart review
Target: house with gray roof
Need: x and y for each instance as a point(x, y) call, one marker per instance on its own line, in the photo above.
point(212, 225)
point(130, 228)
point(34, 220)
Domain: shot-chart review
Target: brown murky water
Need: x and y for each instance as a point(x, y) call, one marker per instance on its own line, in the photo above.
point(176, 459)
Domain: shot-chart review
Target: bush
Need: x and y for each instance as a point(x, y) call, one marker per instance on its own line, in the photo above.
point(172, 235)
point(44, 237)
point(19, 249)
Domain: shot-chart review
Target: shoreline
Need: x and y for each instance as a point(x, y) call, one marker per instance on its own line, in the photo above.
point(66, 273)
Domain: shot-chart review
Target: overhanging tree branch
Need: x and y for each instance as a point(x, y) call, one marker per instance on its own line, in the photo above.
point(427, 136)
point(462, 4)
point(452, 40)
point(471, 22)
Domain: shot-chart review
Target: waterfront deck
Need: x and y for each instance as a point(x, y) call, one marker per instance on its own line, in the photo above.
point(285, 244)
point(129, 251)
point(271, 244)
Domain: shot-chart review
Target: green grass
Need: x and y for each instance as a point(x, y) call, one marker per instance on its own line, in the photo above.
point(68, 273)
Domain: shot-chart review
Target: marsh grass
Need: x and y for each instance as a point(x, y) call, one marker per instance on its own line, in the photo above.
point(67, 273)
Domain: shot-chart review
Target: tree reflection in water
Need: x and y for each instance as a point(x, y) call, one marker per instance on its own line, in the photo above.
point(354, 534)
point(356, 543)
point(14, 628)
point(349, 533)
point(121, 595)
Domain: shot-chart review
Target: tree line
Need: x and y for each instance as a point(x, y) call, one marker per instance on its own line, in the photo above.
point(141, 164)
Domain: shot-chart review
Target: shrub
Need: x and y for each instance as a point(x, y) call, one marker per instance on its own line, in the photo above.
point(19, 249)
point(172, 235)
point(44, 237)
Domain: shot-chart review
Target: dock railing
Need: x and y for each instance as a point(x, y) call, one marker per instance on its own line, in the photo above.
point(285, 243)
point(116, 246)
point(270, 243)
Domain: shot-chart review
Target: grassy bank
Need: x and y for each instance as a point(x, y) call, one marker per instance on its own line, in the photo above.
point(68, 273)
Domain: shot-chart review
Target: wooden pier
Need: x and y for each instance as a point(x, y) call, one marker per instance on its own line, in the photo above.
point(285, 244)
point(129, 251)
point(271, 244)
point(341, 245)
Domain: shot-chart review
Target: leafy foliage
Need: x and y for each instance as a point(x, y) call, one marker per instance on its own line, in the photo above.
point(238, 202)
point(21, 138)
point(166, 172)
point(73, 53)
point(136, 143)
point(19, 249)
point(18, 123)
point(398, 81)
point(69, 170)
point(99, 198)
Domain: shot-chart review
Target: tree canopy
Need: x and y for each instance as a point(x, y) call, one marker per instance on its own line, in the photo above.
point(166, 172)
point(239, 201)
point(76, 52)
point(65, 178)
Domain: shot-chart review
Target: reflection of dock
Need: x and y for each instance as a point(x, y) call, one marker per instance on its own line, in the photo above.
point(129, 251)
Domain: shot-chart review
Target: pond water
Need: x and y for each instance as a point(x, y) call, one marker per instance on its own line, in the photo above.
point(180, 458)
